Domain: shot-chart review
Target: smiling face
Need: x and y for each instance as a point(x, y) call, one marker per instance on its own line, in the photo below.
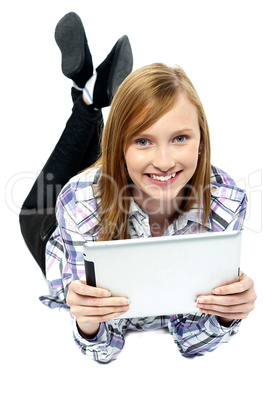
point(162, 159)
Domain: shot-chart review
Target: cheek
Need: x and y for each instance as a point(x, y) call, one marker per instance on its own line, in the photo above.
point(130, 161)
point(134, 160)
point(190, 157)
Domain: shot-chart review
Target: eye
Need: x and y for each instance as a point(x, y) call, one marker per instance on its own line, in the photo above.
point(142, 142)
point(180, 138)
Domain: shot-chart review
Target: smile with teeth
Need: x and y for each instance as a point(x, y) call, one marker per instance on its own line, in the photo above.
point(162, 178)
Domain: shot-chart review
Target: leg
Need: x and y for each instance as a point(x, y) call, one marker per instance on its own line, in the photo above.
point(77, 148)
point(67, 158)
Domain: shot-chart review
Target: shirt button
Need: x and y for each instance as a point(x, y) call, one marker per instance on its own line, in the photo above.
point(141, 323)
point(214, 189)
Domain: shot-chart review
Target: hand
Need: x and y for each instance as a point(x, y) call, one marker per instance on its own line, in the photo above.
point(230, 302)
point(91, 305)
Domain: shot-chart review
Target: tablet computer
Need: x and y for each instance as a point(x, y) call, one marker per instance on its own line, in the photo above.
point(163, 275)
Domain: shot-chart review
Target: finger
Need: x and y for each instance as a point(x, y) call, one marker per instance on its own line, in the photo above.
point(81, 288)
point(241, 308)
point(237, 287)
point(81, 311)
point(100, 318)
point(109, 301)
point(88, 301)
point(231, 316)
point(228, 300)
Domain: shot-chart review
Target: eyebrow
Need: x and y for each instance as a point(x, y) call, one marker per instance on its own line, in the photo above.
point(184, 130)
point(174, 133)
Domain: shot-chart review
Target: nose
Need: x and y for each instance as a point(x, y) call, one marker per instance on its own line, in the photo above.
point(163, 158)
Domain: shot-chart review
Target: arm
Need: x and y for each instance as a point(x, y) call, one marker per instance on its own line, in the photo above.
point(230, 302)
point(107, 343)
point(234, 301)
point(196, 334)
point(218, 319)
point(220, 313)
point(95, 331)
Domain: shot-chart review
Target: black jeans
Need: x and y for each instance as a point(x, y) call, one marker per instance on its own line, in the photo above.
point(77, 149)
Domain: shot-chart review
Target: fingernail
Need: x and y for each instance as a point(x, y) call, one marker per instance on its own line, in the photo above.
point(216, 291)
point(201, 300)
point(125, 301)
point(106, 294)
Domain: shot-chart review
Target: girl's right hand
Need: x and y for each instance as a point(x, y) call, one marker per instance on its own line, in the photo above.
point(91, 306)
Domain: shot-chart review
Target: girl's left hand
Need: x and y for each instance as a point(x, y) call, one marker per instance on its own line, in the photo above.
point(230, 302)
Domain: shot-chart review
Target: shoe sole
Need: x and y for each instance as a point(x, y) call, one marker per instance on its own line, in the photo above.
point(121, 65)
point(70, 38)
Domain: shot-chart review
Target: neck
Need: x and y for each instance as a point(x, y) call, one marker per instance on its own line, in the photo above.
point(158, 225)
point(163, 208)
point(161, 212)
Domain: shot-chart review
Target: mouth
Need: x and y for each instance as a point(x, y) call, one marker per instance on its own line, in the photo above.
point(163, 178)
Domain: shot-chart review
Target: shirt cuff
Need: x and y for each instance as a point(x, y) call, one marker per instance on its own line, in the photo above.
point(213, 326)
point(101, 336)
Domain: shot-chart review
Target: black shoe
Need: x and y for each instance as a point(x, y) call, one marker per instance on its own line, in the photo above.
point(112, 72)
point(76, 57)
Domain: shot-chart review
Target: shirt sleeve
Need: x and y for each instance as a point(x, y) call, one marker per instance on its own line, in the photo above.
point(109, 340)
point(196, 334)
point(237, 221)
point(54, 259)
point(106, 345)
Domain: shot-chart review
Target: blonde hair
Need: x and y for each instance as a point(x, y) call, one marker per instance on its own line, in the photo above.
point(145, 96)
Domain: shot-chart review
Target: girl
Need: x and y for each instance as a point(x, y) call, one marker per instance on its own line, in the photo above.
point(153, 178)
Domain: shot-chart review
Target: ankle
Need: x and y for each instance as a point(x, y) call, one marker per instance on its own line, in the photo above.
point(88, 90)
point(86, 101)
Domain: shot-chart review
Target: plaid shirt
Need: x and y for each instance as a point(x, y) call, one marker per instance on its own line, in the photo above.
point(78, 222)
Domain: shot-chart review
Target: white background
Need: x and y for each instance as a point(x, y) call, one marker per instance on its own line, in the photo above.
point(222, 47)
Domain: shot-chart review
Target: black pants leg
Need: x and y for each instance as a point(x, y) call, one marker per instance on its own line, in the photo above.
point(77, 148)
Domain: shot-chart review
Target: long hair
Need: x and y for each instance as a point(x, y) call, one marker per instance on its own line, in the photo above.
point(145, 96)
